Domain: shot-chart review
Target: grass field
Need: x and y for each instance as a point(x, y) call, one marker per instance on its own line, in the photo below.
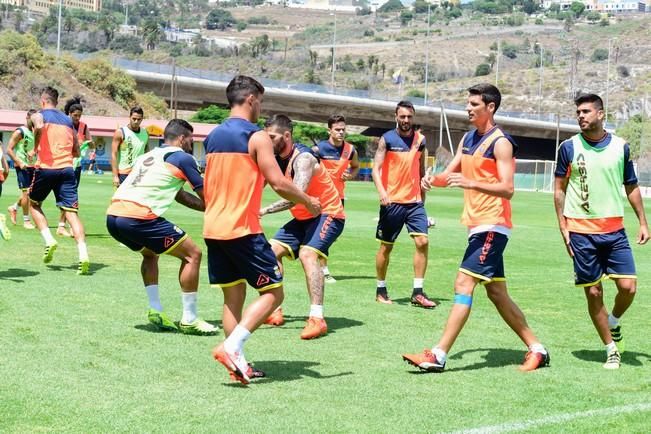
point(77, 354)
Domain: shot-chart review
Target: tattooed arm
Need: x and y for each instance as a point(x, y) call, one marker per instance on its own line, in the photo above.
point(304, 165)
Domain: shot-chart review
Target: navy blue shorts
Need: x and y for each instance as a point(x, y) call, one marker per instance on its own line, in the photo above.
point(245, 259)
point(484, 257)
point(122, 177)
point(394, 216)
point(601, 255)
point(157, 235)
point(78, 176)
point(318, 234)
point(24, 177)
point(61, 182)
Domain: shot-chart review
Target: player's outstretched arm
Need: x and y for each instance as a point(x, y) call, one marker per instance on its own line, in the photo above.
point(39, 123)
point(16, 137)
point(261, 150)
point(560, 187)
point(115, 147)
point(378, 162)
point(5, 167)
point(635, 199)
point(354, 167)
point(190, 200)
point(303, 166)
point(441, 179)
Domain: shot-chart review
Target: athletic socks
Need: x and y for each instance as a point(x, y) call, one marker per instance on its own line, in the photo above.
point(418, 286)
point(154, 299)
point(441, 356)
point(83, 251)
point(189, 301)
point(537, 348)
point(381, 288)
point(235, 342)
point(613, 321)
point(325, 270)
point(612, 346)
point(47, 236)
point(316, 310)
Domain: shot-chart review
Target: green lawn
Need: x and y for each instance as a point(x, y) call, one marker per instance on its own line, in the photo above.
point(77, 354)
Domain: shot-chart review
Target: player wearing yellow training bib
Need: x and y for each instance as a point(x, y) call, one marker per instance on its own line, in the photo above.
point(129, 142)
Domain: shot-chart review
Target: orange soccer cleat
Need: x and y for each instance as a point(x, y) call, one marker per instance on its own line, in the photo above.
point(276, 318)
point(233, 362)
point(533, 361)
point(421, 300)
point(315, 327)
point(425, 361)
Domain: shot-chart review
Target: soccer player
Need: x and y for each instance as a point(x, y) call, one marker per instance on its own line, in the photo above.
point(134, 219)
point(341, 161)
point(399, 165)
point(306, 237)
point(74, 110)
point(18, 148)
point(56, 145)
point(239, 158)
point(592, 166)
point(483, 167)
point(129, 142)
point(5, 233)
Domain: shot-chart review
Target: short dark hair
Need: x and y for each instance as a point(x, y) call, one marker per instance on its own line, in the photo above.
point(488, 92)
point(73, 105)
point(281, 122)
point(240, 87)
point(333, 119)
point(177, 128)
point(30, 112)
point(51, 94)
point(405, 104)
point(137, 109)
point(590, 97)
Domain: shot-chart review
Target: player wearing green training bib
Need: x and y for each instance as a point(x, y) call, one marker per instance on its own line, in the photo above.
point(21, 150)
point(129, 142)
point(135, 220)
point(592, 166)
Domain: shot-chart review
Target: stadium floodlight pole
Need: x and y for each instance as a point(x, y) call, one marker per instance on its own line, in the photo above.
point(334, 41)
point(427, 57)
point(59, 30)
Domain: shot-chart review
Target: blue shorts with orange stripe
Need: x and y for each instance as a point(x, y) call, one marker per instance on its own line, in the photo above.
point(61, 181)
point(318, 234)
point(245, 259)
point(600, 255)
point(484, 257)
point(158, 235)
point(24, 177)
point(394, 216)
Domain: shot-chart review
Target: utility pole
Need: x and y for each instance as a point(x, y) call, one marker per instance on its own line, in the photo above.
point(497, 63)
point(427, 57)
point(610, 41)
point(173, 87)
point(334, 41)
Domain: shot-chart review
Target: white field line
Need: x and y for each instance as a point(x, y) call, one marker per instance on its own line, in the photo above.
point(556, 419)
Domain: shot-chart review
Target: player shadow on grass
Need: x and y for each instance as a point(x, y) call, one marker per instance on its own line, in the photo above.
point(151, 328)
point(13, 274)
point(338, 277)
point(334, 323)
point(94, 267)
point(493, 358)
point(284, 370)
point(98, 235)
point(628, 357)
point(404, 301)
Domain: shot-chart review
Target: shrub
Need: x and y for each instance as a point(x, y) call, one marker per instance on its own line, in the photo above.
point(482, 69)
point(599, 54)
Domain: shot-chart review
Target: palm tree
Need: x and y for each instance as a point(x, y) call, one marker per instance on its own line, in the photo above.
point(152, 33)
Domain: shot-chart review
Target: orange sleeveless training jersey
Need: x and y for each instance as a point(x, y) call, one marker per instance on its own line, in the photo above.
point(478, 163)
point(56, 140)
point(336, 166)
point(320, 186)
point(233, 182)
point(401, 169)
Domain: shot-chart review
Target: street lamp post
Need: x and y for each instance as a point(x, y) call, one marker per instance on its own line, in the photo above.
point(59, 30)
point(427, 57)
point(540, 81)
point(610, 41)
point(334, 41)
